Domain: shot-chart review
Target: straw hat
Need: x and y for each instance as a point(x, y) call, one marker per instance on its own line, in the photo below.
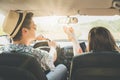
point(13, 22)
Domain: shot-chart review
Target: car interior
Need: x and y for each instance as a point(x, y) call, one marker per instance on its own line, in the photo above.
point(51, 16)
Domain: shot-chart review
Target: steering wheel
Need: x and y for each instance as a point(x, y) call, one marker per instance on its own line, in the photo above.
point(42, 45)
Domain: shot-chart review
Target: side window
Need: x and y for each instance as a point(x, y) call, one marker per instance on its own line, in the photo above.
point(4, 40)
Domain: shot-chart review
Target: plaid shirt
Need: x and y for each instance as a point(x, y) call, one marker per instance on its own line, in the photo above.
point(43, 57)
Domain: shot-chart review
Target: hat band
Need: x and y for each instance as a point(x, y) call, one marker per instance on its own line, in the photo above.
point(19, 20)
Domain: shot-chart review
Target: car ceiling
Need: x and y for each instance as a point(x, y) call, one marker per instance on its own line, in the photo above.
point(61, 7)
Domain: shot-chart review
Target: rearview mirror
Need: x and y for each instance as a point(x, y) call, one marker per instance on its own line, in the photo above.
point(73, 20)
point(68, 20)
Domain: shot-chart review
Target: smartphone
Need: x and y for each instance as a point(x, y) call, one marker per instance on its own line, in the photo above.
point(83, 46)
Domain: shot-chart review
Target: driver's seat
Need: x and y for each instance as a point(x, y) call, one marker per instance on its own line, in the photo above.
point(15, 66)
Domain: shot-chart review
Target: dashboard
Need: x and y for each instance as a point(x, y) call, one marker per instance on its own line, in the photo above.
point(65, 54)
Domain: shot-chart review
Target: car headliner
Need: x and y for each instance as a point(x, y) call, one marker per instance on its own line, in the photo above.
point(61, 7)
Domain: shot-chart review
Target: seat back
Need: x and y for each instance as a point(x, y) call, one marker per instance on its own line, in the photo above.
point(16, 66)
point(96, 66)
point(13, 73)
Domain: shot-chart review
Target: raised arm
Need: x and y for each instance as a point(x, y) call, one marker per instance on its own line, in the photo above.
point(72, 37)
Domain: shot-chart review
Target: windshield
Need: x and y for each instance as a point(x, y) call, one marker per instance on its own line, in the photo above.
point(53, 29)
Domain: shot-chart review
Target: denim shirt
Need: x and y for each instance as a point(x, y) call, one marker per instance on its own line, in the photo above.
point(43, 57)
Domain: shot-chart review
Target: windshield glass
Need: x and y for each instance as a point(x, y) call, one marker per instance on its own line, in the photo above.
point(52, 26)
point(53, 29)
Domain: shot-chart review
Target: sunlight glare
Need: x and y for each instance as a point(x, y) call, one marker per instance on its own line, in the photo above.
point(1, 19)
point(47, 19)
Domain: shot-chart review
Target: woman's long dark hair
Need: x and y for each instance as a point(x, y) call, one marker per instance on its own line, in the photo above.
point(100, 39)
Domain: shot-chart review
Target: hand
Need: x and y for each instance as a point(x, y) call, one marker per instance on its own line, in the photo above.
point(68, 30)
point(52, 44)
point(41, 37)
point(70, 33)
